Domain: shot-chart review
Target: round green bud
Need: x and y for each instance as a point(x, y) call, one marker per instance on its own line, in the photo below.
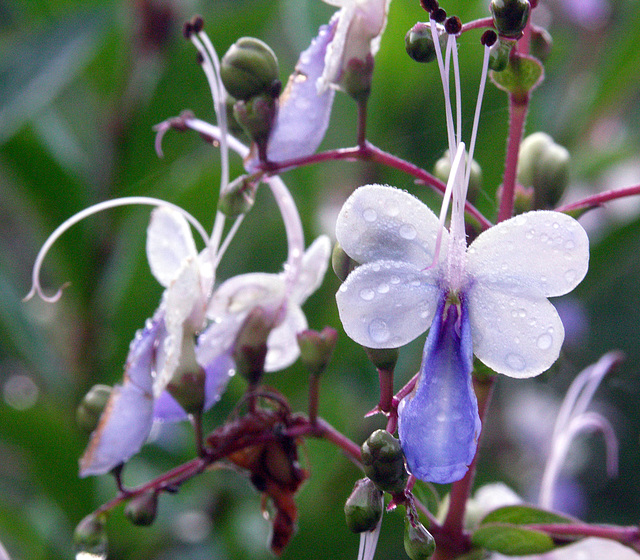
point(342, 263)
point(90, 536)
point(419, 44)
point(499, 55)
point(541, 43)
point(249, 68)
point(142, 509)
point(442, 169)
point(316, 348)
point(257, 116)
point(91, 407)
point(510, 16)
point(357, 77)
point(364, 506)
point(238, 197)
point(419, 544)
point(383, 462)
point(543, 165)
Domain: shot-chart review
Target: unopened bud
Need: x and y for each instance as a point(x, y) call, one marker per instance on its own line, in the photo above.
point(187, 383)
point(257, 116)
point(510, 16)
point(383, 461)
point(342, 263)
point(142, 509)
point(543, 165)
point(238, 197)
point(419, 544)
point(249, 68)
point(316, 348)
point(541, 43)
point(419, 44)
point(364, 506)
point(250, 349)
point(499, 55)
point(90, 536)
point(357, 77)
point(442, 169)
point(91, 407)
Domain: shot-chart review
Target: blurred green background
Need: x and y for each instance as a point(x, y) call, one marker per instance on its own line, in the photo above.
point(81, 85)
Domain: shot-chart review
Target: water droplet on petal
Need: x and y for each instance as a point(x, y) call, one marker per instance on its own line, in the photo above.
point(570, 276)
point(441, 417)
point(544, 341)
point(383, 288)
point(520, 220)
point(395, 279)
point(367, 294)
point(379, 331)
point(407, 231)
point(569, 244)
point(370, 215)
point(515, 361)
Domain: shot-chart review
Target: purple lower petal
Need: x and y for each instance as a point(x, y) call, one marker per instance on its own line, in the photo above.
point(167, 409)
point(217, 375)
point(439, 423)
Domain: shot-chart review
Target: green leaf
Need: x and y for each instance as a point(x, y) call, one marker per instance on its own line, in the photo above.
point(524, 515)
point(512, 540)
point(522, 75)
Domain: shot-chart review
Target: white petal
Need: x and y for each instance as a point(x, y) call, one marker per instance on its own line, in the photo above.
point(383, 223)
point(282, 343)
point(515, 335)
point(242, 293)
point(387, 304)
point(543, 252)
point(314, 266)
point(124, 427)
point(169, 243)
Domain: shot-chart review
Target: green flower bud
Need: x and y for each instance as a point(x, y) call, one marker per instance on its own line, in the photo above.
point(510, 16)
point(90, 536)
point(419, 44)
point(442, 169)
point(238, 197)
point(249, 68)
point(543, 165)
point(90, 408)
point(142, 509)
point(357, 77)
point(342, 263)
point(257, 117)
point(541, 43)
point(187, 384)
point(419, 544)
point(499, 55)
point(250, 349)
point(364, 506)
point(316, 348)
point(383, 462)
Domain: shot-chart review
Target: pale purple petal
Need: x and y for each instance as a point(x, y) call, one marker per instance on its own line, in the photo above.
point(167, 409)
point(282, 344)
point(314, 266)
point(438, 423)
point(386, 304)
point(383, 223)
point(516, 335)
point(303, 114)
point(217, 376)
point(542, 253)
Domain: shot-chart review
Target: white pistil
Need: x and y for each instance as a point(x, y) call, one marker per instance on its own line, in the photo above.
point(444, 76)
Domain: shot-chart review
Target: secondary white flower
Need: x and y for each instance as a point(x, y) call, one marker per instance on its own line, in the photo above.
point(360, 27)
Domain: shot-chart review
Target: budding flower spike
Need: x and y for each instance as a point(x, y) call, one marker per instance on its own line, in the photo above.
point(489, 299)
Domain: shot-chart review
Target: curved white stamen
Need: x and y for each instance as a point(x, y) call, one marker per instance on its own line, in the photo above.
point(444, 76)
point(213, 131)
point(452, 45)
point(36, 288)
point(476, 116)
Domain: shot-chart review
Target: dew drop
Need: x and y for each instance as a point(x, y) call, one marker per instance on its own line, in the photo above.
point(407, 231)
point(379, 331)
point(520, 220)
point(370, 215)
point(395, 279)
point(515, 361)
point(569, 244)
point(570, 276)
point(367, 294)
point(544, 341)
point(383, 288)
point(441, 417)
point(393, 211)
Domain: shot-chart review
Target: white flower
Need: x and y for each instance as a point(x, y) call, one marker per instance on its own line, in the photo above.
point(360, 27)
